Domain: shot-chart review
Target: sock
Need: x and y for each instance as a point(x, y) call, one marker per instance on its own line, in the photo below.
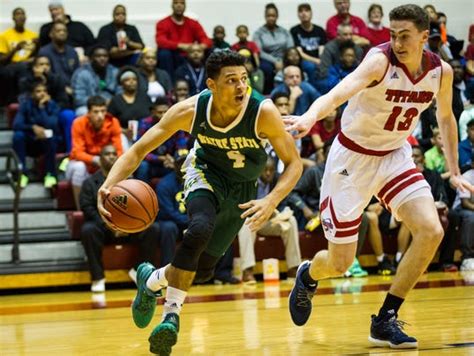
point(398, 257)
point(174, 300)
point(157, 280)
point(307, 280)
point(390, 306)
point(380, 257)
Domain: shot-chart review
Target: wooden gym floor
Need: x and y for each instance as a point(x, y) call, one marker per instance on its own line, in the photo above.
point(243, 320)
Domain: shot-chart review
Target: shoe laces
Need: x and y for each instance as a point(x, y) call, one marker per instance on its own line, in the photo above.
point(304, 296)
point(396, 325)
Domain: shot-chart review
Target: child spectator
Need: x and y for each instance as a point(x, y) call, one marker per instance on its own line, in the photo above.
point(466, 147)
point(181, 91)
point(36, 132)
point(434, 157)
point(218, 43)
point(347, 64)
point(255, 74)
point(242, 33)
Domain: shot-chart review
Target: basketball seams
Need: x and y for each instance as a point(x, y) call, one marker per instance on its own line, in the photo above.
point(124, 229)
point(134, 197)
point(153, 199)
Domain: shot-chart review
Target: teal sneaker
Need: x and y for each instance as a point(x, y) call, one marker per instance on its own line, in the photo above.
point(50, 181)
point(355, 270)
point(24, 181)
point(144, 304)
point(165, 335)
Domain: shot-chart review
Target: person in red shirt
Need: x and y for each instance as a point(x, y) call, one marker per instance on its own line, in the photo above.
point(325, 130)
point(378, 32)
point(359, 29)
point(174, 36)
point(242, 33)
point(90, 133)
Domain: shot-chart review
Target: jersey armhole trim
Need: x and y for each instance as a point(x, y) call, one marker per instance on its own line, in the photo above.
point(195, 112)
point(258, 117)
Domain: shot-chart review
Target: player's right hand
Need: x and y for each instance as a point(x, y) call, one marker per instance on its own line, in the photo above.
point(102, 194)
point(298, 126)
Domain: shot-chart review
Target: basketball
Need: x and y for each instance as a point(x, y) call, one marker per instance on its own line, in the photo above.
point(133, 205)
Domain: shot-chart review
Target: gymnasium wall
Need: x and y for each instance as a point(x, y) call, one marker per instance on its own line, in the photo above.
point(229, 13)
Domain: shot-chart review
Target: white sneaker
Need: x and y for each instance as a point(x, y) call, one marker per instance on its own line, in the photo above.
point(98, 286)
point(467, 264)
point(132, 273)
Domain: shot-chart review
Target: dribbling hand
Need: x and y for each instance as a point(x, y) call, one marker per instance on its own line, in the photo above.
point(102, 194)
point(298, 126)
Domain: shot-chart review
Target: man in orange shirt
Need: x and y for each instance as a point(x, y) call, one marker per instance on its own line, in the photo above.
point(90, 133)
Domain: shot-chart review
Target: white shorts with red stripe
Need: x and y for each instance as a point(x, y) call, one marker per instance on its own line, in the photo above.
point(353, 175)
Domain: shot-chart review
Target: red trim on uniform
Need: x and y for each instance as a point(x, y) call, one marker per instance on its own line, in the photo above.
point(402, 186)
point(347, 233)
point(345, 224)
point(348, 143)
point(432, 61)
point(395, 181)
point(323, 205)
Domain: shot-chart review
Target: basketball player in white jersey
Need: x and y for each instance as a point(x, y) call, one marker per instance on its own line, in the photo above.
point(371, 157)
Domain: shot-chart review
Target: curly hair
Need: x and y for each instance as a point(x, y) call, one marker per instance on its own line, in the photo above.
point(220, 59)
point(412, 13)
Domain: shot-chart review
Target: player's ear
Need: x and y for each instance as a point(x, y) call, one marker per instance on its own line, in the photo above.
point(211, 84)
point(425, 35)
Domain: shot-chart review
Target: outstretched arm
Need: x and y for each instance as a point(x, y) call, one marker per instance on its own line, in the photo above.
point(270, 126)
point(370, 71)
point(448, 128)
point(178, 117)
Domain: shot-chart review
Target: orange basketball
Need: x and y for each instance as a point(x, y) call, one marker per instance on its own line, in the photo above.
point(133, 205)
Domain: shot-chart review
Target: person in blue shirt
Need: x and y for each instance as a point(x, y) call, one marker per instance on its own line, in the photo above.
point(35, 132)
point(466, 148)
point(348, 63)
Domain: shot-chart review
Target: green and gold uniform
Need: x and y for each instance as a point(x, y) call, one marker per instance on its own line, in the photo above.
point(224, 165)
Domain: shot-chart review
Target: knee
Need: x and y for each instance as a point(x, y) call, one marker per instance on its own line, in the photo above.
point(431, 233)
point(89, 230)
point(199, 231)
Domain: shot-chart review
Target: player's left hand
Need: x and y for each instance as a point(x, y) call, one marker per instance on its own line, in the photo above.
point(458, 182)
point(257, 212)
point(298, 126)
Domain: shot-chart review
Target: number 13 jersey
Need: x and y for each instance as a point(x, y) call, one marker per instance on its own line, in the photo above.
point(381, 117)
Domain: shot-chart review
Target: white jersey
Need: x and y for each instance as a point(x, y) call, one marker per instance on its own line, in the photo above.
point(381, 117)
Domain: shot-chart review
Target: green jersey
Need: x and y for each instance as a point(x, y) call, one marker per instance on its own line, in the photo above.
point(234, 152)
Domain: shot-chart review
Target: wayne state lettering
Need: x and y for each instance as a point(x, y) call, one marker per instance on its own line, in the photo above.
point(228, 143)
point(408, 96)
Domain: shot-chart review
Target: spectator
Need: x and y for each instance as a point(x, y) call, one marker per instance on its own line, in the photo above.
point(96, 78)
point(79, 35)
point(95, 233)
point(460, 95)
point(130, 105)
point(174, 36)
point(432, 13)
point(180, 91)
point(291, 57)
point(122, 40)
point(18, 44)
point(436, 45)
point(332, 54)
point(63, 57)
point(464, 205)
point(360, 34)
point(193, 70)
point(90, 133)
point(348, 63)
point(35, 132)
point(282, 103)
point(255, 75)
point(455, 46)
point(242, 33)
point(466, 116)
point(160, 162)
point(309, 39)
point(302, 94)
point(469, 55)
point(434, 158)
point(325, 130)
point(40, 70)
point(466, 147)
point(282, 224)
point(272, 40)
point(378, 33)
point(153, 81)
point(218, 39)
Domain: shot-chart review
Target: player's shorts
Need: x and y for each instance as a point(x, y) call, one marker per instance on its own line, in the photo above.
point(354, 174)
point(226, 194)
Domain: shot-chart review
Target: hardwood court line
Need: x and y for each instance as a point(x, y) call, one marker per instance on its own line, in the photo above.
point(43, 308)
point(378, 351)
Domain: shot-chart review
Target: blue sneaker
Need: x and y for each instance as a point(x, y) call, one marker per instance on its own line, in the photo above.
point(165, 335)
point(300, 297)
point(388, 332)
point(144, 304)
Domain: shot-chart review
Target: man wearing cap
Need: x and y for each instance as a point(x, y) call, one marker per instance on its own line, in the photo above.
point(79, 35)
point(435, 44)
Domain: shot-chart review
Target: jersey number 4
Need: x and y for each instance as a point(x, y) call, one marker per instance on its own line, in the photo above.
point(238, 158)
point(404, 125)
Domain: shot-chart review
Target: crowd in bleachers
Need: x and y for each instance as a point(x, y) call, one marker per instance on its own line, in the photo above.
point(75, 94)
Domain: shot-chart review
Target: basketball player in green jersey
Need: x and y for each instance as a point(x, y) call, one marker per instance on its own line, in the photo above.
point(230, 123)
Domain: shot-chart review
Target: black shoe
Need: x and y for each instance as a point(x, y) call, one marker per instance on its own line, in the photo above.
point(226, 280)
point(300, 297)
point(388, 332)
point(386, 267)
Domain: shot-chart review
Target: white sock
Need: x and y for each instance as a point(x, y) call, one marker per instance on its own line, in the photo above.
point(380, 258)
point(157, 280)
point(174, 300)
point(398, 256)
